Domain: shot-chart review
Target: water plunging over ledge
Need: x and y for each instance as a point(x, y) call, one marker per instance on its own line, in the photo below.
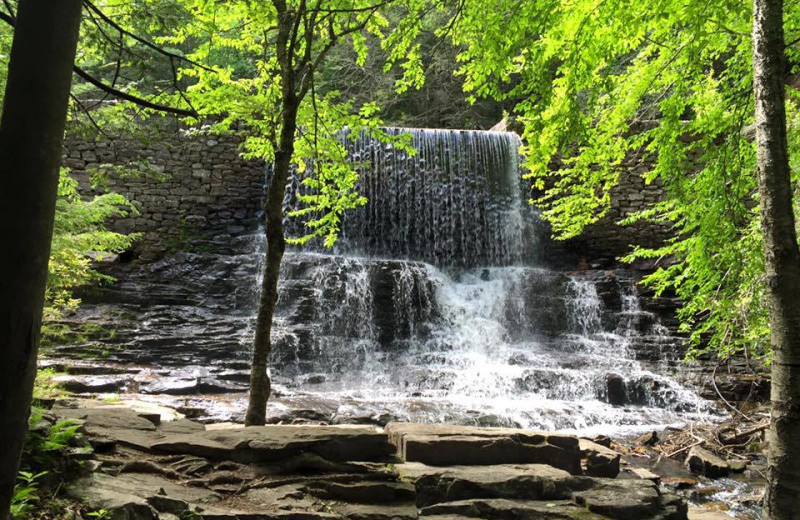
point(457, 202)
point(433, 307)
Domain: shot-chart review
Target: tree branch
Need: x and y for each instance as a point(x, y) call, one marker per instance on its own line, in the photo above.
point(141, 40)
point(114, 91)
point(130, 97)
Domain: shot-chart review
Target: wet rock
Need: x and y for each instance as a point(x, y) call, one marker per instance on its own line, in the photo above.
point(679, 482)
point(519, 481)
point(737, 466)
point(702, 462)
point(502, 509)
point(192, 387)
point(648, 439)
point(706, 513)
point(300, 416)
point(602, 440)
point(276, 443)
point(134, 496)
point(92, 384)
point(443, 445)
point(629, 499)
point(615, 390)
point(646, 474)
point(316, 379)
point(599, 461)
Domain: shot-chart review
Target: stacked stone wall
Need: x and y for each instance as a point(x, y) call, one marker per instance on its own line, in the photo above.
point(608, 239)
point(191, 192)
point(197, 193)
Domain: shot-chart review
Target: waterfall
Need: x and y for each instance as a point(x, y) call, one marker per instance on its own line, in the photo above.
point(455, 203)
point(433, 305)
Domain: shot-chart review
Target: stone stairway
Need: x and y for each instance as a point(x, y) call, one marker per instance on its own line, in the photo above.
point(145, 469)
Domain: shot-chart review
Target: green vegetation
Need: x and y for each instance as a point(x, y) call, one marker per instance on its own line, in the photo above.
point(593, 83)
point(668, 83)
point(44, 465)
point(25, 495)
point(79, 238)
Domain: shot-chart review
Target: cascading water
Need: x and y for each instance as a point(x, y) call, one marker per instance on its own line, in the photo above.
point(432, 307)
point(455, 203)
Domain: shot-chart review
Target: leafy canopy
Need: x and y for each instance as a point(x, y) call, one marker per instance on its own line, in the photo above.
point(251, 66)
point(595, 82)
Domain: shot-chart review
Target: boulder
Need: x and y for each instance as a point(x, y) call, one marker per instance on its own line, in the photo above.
point(615, 390)
point(517, 481)
point(599, 461)
point(503, 509)
point(279, 442)
point(648, 439)
point(702, 462)
point(629, 499)
point(445, 445)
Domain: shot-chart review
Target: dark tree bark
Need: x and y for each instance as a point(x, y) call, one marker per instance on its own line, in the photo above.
point(298, 60)
point(276, 244)
point(273, 226)
point(782, 259)
point(31, 134)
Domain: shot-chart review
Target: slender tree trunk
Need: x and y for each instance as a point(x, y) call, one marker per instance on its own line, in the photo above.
point(273, 221)
point(276, 244)
point(782, 260)
point(31, 135)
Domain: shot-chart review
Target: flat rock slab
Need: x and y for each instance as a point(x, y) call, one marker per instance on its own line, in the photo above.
point(502, 509)
point(599, 461)
point(518, 491)
point(446, 445)
point(167, 470)
point(512, 481)
point(275, 443)
point(138, 495)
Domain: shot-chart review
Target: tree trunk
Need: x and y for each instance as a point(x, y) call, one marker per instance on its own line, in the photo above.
point(276, 244)
point(31, 135)
point(273, 218)
point(782, 259)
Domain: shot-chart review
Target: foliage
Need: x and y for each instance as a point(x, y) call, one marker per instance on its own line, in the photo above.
point(438, 103)
point(45, 442)
point(250, 99)
point(43, 460)
point(45, 387)
point(598, 82)
point(25, 494)
point(79, 232)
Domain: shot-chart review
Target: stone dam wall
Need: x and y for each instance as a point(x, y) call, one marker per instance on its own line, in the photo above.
point(196, 193)
point(192, 193)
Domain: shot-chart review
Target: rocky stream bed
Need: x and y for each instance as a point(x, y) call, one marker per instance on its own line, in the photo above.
point(143, 462)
